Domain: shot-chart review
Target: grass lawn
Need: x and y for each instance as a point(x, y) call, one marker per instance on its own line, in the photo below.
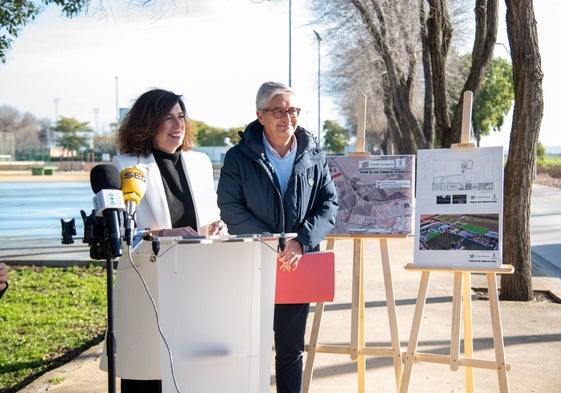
point(552, 160)
point(48, 316)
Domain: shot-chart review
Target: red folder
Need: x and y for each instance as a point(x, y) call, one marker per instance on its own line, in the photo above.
point(313, 281)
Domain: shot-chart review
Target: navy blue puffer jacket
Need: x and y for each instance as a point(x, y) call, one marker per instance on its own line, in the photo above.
point(250, 199)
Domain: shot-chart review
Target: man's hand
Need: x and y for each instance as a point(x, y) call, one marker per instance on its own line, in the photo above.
point(3, 276)
point(217, 228)
point(290, 256)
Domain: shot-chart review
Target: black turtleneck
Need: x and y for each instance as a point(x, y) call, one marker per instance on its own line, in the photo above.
point(178, 195)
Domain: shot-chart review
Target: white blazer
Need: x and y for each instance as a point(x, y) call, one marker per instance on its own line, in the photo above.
point(153, 210)
point(138, 343)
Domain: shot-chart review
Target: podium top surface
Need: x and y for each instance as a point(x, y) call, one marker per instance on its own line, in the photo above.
point(265, 238)
point(503, 269)
point(367, 236)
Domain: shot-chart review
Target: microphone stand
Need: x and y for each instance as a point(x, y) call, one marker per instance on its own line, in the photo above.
point(102, 247)
point(108, 251)
point(110, 339)
point(96, 237)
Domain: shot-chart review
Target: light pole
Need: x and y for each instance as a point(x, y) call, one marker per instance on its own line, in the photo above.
point(117, 100)
point(319, 89)
point(290, 43)
point(96, 119)
point(49, 134)
point(504, 46)
point(56, 101)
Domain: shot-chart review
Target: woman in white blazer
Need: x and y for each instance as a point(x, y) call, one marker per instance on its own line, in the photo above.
point(180, 199)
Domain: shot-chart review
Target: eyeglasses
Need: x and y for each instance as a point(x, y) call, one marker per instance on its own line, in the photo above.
point(279, 113)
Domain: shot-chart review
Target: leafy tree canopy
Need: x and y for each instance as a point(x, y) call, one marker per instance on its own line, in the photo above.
point(206, 135)
point(335, 138)
point(16, 14)
point(73, 135)
point(494, 99)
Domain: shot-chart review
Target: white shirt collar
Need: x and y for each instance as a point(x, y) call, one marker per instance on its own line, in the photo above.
point(270, 148)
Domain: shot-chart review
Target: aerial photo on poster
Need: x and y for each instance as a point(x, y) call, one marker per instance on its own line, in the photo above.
point(459, 232)
point(376, 194)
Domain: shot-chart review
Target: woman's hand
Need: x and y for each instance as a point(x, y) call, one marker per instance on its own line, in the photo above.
point(183, 231)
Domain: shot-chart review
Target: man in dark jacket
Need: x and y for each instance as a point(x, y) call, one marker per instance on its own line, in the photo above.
point(276, 180)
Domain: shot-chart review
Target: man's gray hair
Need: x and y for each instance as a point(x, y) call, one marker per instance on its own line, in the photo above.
point(267, 91)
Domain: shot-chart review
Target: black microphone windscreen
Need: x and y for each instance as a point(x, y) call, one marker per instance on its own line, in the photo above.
point(105, 177)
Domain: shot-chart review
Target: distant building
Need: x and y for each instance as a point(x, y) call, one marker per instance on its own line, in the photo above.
point(216, 153)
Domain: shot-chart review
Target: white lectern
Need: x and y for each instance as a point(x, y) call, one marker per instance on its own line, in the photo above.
point(215, 300)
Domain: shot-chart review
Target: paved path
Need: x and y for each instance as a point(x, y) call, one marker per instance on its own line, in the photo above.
point(545, 230)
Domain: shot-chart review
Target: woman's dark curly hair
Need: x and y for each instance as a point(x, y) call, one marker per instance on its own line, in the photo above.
point(141, 123)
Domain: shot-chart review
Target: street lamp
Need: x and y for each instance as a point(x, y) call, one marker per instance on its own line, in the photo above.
point(117, 100)
point(504, 46)
point(289, 42)
point(319, 89)
point(56, 101)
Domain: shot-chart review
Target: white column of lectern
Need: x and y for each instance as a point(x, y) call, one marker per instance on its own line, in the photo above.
point(215, 301)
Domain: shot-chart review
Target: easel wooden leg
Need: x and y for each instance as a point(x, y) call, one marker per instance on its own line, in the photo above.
point(310, 357)
point(468, 334)
point(414, 335)
point(392, 316)
point(356, 294)
point(314, 336)
point(497, 332)
point(357, 322)
point(456, 319)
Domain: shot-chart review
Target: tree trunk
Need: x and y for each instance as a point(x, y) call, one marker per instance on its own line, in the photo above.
point(440, 34)
point(486, 26)
point(406, 132)
point(428, 117)
point(528, 112)
point(439, 30)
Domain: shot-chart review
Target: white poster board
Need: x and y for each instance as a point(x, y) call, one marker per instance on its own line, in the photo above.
point(459, 207)
point(376, 194)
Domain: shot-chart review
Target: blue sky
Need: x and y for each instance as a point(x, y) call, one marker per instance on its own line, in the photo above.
point(216, 53)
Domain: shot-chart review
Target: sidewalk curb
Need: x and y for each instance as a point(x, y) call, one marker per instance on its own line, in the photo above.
point(57, 375)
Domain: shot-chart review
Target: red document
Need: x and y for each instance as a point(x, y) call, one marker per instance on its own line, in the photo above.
point(313, 281)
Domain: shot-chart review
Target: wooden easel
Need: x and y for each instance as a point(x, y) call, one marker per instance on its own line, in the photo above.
point(357, 348)
point(461, 298)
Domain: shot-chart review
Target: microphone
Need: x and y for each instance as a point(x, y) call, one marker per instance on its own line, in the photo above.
point(133, 185)
point(108, 201)
point(282, 241)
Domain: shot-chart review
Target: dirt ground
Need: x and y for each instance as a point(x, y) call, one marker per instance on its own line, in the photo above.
point(26, 176)
point(547, 180)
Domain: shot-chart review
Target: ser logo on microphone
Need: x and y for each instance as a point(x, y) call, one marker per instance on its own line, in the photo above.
point(131, 173)
point(133, 185)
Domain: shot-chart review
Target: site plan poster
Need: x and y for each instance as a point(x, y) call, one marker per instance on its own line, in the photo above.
point(376, 194)
point(459, 207)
